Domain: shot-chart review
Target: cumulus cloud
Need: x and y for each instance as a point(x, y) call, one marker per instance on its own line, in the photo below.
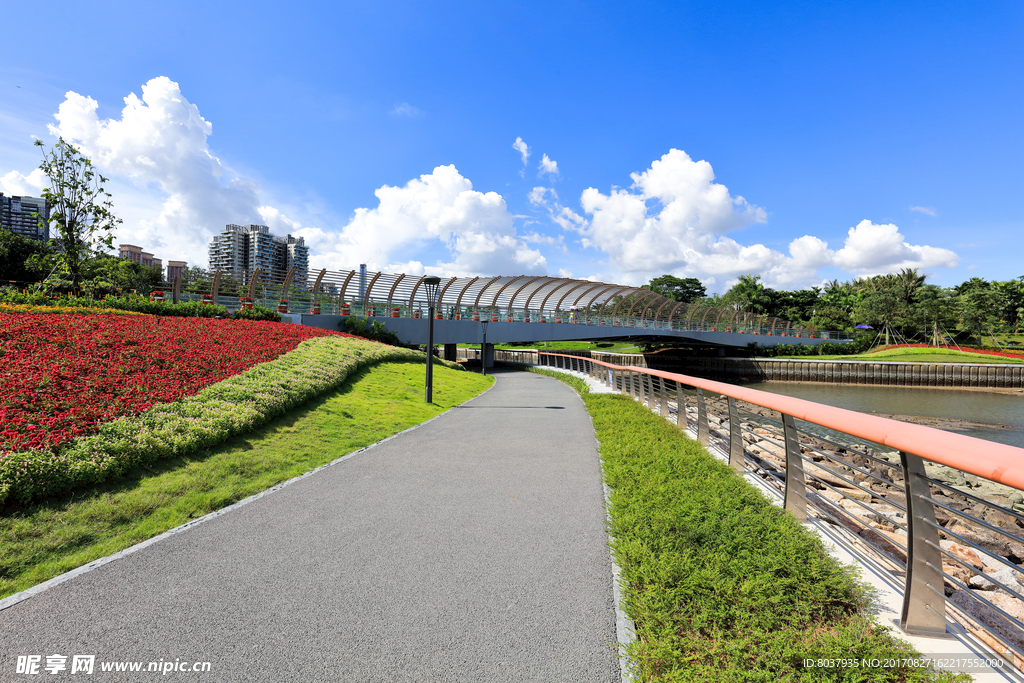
point(30, 185)
point(160, 141)
point(476, 227)
point(175, 194)
point(927, 210)
point(522, 148)
point(675, 219)
point(548, 166)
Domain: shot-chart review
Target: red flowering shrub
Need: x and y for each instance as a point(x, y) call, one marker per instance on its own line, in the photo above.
point(63, 375)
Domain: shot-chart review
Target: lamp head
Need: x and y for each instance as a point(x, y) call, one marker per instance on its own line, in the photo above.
point(431, 284)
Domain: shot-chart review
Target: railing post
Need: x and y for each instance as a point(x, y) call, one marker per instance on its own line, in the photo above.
point(924, 601)
point(735, 438)
point(641, 386)
point(682, 421)
point(796, 483)
point(664, 396)
point(702, 418)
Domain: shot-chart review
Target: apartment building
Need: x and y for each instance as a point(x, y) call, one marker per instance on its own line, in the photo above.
point(16, 215)
point(241, 249)
point(136, 254)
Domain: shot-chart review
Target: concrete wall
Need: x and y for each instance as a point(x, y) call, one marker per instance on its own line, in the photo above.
point(863, 372)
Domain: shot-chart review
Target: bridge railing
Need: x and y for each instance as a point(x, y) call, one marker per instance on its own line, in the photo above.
point(938, 508)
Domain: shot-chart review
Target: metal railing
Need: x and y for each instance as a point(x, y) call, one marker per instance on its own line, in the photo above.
point(893, 485)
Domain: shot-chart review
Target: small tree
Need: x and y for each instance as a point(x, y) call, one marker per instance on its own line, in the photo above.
point(687, 289)
point(80, 207)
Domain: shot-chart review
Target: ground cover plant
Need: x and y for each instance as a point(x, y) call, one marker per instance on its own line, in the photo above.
point(577, 383)
point(607, 347)
point(44, 540)
point(233, 406)
point(135, 303)
point(926, 354)
point(721, 584)
point(64, 375)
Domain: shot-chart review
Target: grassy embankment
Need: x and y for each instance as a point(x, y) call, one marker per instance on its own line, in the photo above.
point(721, 584)
point(919, 355)
point(44, 540)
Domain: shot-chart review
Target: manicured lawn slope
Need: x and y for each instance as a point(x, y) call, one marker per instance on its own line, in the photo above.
point(723, 585)
point(45, 540)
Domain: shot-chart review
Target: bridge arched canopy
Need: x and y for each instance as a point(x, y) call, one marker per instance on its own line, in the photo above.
point(520, 295)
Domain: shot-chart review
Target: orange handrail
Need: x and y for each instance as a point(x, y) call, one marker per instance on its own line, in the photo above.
point(994, 461)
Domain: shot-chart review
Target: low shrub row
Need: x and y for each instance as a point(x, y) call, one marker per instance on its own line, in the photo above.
point(859, 345)
point(233, 406)
point(136, 304)
point(50, 310)
point(721, 584)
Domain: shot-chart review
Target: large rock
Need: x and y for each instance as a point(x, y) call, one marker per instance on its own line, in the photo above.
point(990, 541)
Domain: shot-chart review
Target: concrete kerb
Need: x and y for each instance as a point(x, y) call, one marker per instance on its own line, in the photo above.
point(14, 599)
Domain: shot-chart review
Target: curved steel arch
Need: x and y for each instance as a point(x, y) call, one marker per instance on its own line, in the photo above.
point(415, 287)
point(607, 288)
point(589, 289)
point(552, 292)
point(638, 300)
point(366, 295)
point(534, 292)
point(316, 285)
point(528, 283)
point(605, 304)
point(503, 288)
point(615, 312)
point(344, 286)
point(458, 301)
point(705, 316)
point(441, 293)
point(391, 293)
point(674, 309)
point(582, 283)
point(662, 308)
point(483, 289)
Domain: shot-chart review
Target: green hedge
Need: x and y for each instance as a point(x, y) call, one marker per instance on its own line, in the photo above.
point(237, 405)
point(859, 345)
point(723, 585)
point(137, 304)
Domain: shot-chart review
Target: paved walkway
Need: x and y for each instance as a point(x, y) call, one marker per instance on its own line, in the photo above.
point(470, 549)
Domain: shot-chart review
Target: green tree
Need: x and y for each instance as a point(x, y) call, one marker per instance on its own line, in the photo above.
point(979, 305)
point(19, 257)
point(749, 294)
point(934, 306)
point(687, 289)
point(81, 213)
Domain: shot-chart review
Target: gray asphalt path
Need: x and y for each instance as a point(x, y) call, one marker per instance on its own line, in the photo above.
point(471, 549)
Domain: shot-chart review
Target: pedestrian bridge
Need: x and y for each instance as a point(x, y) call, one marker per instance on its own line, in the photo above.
point(519, 308)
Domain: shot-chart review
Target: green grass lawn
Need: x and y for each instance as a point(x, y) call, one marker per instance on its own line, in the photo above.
point(721, 584)
point(919, 355)
point(48, 539)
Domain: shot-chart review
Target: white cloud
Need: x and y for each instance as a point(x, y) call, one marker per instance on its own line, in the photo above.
point(522, 148)
point(872, 249)
point(674, 219)
point(159, 146)
point(548, 166)
point(927, 210)
point(30, 185)
point(441, 206)
point(406, 109)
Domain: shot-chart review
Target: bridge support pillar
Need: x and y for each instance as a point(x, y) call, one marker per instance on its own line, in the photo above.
point(451, 351)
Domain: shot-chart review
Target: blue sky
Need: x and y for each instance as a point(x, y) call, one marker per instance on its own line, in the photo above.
point(798, 141)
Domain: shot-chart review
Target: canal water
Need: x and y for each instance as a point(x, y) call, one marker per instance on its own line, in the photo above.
point(976, 406)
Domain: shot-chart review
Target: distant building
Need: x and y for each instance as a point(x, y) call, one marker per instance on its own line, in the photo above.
point(176, 269)
point(134, 253)
point(241, 249)
point(16, 215)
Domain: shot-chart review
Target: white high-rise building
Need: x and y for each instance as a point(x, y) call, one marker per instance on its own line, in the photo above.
point(16, 215)
point(241, 249)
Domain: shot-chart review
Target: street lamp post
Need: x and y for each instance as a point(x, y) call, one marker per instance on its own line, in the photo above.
point(483, 347)
point(430, 284)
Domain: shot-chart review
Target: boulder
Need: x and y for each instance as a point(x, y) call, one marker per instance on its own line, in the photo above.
point(996, 544)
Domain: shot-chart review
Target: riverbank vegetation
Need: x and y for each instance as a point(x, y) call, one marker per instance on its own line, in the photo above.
point(926, 355)
point(710, 597)
point(46, 539)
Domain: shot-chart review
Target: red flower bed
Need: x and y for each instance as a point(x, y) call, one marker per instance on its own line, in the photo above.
point(63, 375)
point(972, 349)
